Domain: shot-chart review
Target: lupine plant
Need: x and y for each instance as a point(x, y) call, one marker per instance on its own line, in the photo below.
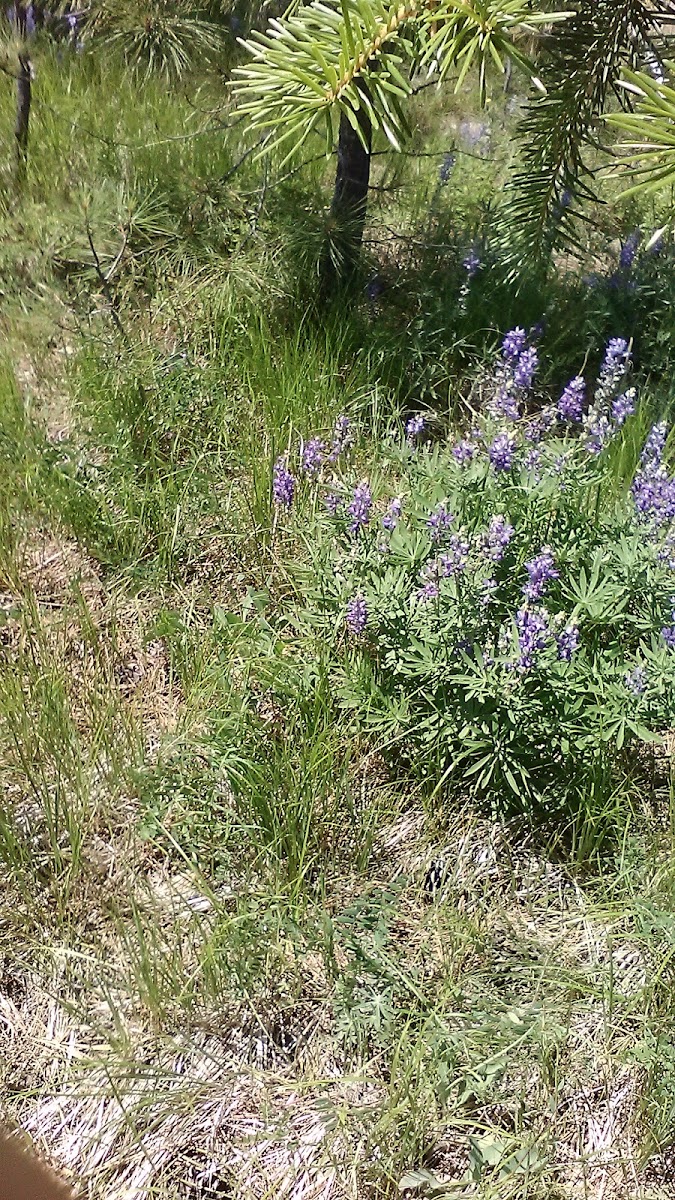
point(498, 625)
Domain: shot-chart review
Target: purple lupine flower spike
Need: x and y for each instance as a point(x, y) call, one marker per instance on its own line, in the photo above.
point(514, 344)
point(571, 402)
point(359, 509)
point(501, 452)
point(357, 615)
point(540, 571)
point(283, 484)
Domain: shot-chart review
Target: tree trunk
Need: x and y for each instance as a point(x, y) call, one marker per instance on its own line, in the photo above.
point(23, 98)
point(350, 202)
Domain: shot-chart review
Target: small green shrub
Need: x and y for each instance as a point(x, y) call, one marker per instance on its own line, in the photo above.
point(504, 623)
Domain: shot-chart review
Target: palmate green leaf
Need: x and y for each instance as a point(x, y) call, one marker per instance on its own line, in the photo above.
point(651, 159)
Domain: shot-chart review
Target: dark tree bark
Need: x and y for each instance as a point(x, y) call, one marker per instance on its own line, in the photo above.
point(23, 99)
point(350, 203)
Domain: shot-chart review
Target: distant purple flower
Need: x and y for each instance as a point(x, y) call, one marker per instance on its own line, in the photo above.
point(332, 503)
point(540, 571)
point(392, 516)
point(533, 627)
point(623, 407)
point(357, 614)
point(629, 250)
point(428, 591)
point(636, 680)
point(439, 521)
point(342, 438)
point(454, 559)
point(312, 456)
point(614, 367)
point(617, 353)
point(653, 489)
point(471, 263)
point(567, 642)
point(414, 427)
point(526, 368)
point(374, 288)
point(497, 538)
point(537, 331)
point(464, 451)
point(445, 169)
point(429, 577)
point(30, 20)
point(571, 402)
point(72, 21)
point(359, 509)
point(668, 635)
point(501, 451)
point(514, 344)
point(283, 485)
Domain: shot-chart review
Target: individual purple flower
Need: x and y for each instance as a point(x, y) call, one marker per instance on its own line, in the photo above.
point(540, 571)
point(526, 368)
point(629, 250)
point(617, 353)
point(393, 514)
point(414, 427)
point(471, 263)
point(313, 453)
point(428, 591)
point(571, 402)
point(636, 680)
point(342, 438)
point(668, 635)
point(567, 642)
point(359, 509)
point(514, 344)
point(357, 614)
point(429, 577)
point(439, 521)
point(464, 451)
point(332, 503)
point(623, 407)
point(502, 451)
point(533, 627)
point(497, 538)
point(453, 560)
point(283, 484)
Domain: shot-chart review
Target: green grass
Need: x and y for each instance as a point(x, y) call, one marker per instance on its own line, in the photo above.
point(218, 959)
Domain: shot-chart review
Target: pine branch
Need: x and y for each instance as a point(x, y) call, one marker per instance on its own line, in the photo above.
point(582, 69)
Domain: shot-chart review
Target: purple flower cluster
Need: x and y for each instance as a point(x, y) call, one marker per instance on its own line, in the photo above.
point(614, 367)
point(454, 559)
point(313, 453)
point(540, 571)
point(439, 521)
point(571, 402)
point(533, 627)
point(393, 514)
point(597, 431)
point(526, 367)
point(623, 407)
point(487, 592)
point(567, 642)
point(653, 489)
point(359, 509)
point(357, 614)
point(513, 344)
point(446, 167)
point(332, 503)
point(429, 577)
point(502, 451)
point(497, 538)
point(342, 438)
point(283, 483)
point(414, 426)
point(506, 403)
point(464, 451)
